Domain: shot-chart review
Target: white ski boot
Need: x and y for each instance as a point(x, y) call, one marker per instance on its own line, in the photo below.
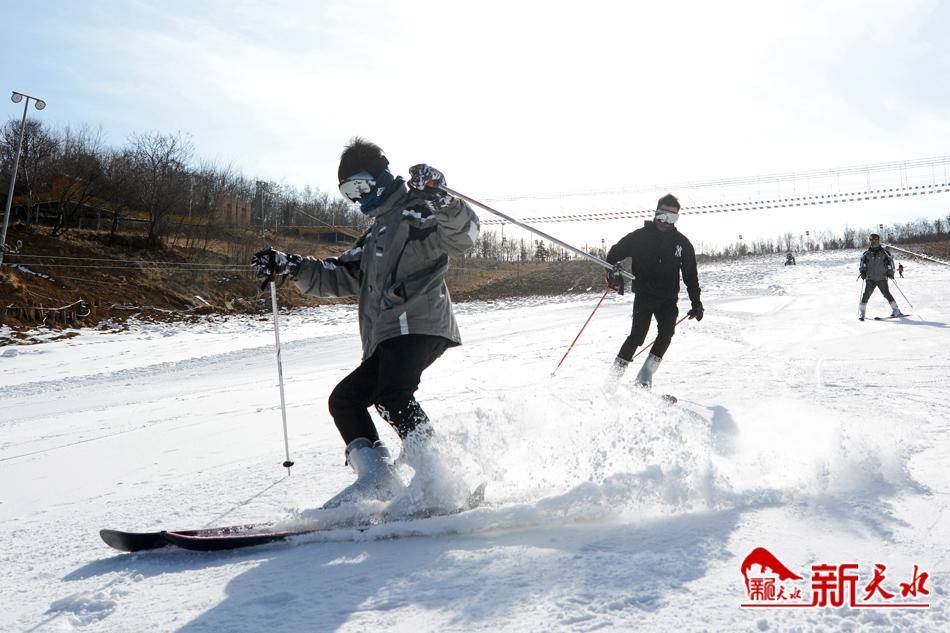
point(895, 311)
point(614, 374)
point(862, 307)
point(650, 365)
point(376, 478)
point(436, 487)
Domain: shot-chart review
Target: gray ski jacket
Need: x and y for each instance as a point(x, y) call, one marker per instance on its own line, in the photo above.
point(878, 264)
point(397, 268)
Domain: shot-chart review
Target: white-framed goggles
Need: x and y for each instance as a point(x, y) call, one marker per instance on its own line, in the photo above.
point(357, 185)
point(662, 215)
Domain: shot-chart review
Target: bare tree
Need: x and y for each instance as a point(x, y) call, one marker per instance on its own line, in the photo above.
point(161, 161)
point(78, 176)
point(39, 147)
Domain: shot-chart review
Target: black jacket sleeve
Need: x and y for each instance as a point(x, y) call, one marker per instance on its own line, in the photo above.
point(690, 276)
point(621, 250)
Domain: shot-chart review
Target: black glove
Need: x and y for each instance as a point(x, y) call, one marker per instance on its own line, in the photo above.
point(696, 312)
point(614, 277)
point(430, 181)
point(890, 275)
point(271, 263)
point(864, 275)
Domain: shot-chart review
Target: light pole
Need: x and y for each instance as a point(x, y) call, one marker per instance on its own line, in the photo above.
point(39, 104)
point(260, 194)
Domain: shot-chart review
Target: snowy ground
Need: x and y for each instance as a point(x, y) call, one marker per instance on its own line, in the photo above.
point(799, 429)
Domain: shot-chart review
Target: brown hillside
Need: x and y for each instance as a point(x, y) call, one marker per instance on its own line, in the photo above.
point(127, 277)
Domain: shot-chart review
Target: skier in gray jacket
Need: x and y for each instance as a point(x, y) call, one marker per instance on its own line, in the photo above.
point(877, 266)
point(397, 269)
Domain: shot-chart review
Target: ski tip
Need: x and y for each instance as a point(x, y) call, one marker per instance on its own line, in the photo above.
point(477, 497)
point(132, 541)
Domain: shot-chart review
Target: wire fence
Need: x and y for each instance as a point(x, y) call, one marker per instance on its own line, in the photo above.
point(927, 257)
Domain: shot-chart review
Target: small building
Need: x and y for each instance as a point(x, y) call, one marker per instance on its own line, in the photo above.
point(231, 211)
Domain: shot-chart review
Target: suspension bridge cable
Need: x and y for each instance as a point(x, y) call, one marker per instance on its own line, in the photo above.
point(790, 176)
point(751, 205)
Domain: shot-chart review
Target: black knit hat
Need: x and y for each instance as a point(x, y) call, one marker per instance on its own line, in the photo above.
point(361, 155)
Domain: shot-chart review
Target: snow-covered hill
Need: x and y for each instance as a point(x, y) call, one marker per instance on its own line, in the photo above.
point(799, 429)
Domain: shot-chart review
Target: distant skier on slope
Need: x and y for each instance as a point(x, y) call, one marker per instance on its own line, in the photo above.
point(900, 270)
point(397, 268)
point(789, 259)
point(658, 253)
point(877, 266)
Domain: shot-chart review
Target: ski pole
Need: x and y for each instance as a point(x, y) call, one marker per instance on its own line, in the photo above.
point(527, 227)
point(647, 346)
point(581, 332)
point(902, 293)
point(280, 375)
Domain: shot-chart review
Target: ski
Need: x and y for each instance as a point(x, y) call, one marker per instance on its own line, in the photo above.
point(219, 540)
point(251, 534)
point(893, 316)
point(142, 541)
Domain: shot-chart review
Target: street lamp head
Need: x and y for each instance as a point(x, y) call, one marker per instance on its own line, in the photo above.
point(16, 97)
point(40, 104)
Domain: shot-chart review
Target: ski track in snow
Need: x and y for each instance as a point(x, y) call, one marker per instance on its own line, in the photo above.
point(799, 429)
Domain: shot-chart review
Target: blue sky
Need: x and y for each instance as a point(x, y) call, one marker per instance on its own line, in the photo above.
point(506, 97)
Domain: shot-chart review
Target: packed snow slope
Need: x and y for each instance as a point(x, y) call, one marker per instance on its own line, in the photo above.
point(799, 429)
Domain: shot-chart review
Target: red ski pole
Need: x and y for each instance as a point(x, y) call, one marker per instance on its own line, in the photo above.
point(581, 332)
point(654, 340)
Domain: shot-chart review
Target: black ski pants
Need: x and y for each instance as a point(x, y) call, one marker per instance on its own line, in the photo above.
point(869, 287)
point(645, 307)
point(387, 380)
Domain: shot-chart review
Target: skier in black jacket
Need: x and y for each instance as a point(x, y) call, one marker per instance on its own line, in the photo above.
point(658, 253)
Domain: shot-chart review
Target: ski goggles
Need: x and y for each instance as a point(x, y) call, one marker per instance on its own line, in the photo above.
point(357, 185)
point(662, 215)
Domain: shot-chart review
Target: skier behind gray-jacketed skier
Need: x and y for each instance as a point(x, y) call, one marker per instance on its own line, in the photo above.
point(658, 254)
point(397, 269)
point(876, 267)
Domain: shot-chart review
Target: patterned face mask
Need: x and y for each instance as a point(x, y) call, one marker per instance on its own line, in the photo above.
point(357, 185)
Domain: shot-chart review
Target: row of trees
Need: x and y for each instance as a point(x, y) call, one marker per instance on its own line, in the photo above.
point(916, 231)
point(154, 174)
point(494, 246)
point(64, 172)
